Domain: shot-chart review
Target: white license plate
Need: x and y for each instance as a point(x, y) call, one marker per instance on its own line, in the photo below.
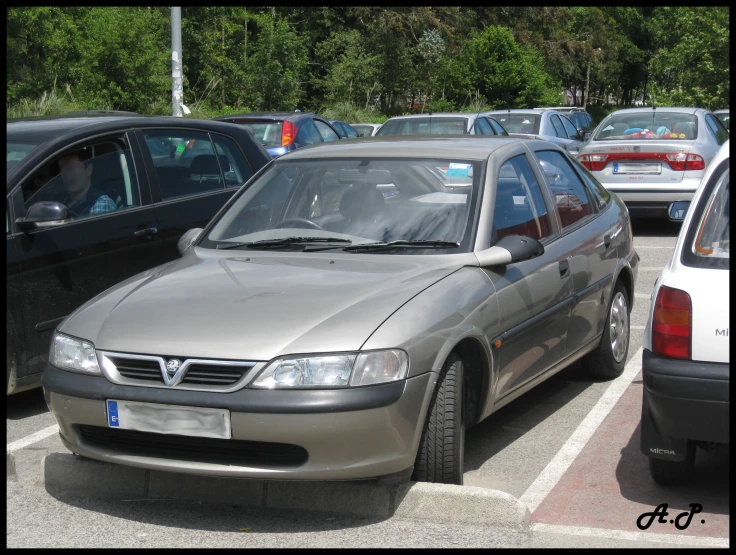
point(637, 168)
point(169, 419)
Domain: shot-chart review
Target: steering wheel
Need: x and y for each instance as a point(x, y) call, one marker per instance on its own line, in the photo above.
point(303, 221)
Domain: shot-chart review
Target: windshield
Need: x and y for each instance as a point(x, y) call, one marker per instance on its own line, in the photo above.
point(268, 133)
point(712, 237)
point(17, 151)
point(424, 126)
point(655, 124)
point(519, 123)
point(362, 200)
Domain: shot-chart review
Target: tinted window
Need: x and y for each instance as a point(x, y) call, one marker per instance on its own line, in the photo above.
point(308, 134)
point(571, 197)
point(519, 123)
point(497, 127)
point(424, 126)
point(557, 126)
point(268, 133)
point(191, 168)
point(236, 171)
point(724, 118)
point(596, 190)
point(351, 133)
point(328, 134)
point(482, 127)
point(717, 128)
point(17, 151)
point(519, 207)
point(364, 130)
point(97, 179)
point(572, 133)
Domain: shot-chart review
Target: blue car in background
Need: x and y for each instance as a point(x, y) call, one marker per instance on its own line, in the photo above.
point(282, 132)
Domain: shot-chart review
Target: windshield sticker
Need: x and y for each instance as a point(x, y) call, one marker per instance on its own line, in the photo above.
point(458, 170)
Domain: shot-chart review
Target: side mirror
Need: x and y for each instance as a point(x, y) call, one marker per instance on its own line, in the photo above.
point(510, 249)
point(677, 210)
point(186, 240)
point(44, 213)
point(586, 136)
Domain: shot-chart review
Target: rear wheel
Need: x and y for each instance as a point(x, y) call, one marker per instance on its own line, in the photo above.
point(441, 451)
point(670, 473)
point(609, 358)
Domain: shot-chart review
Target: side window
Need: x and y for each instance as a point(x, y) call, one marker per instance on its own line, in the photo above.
point(557, 125)
point(519, 207)
point(89, 181)
point(717, 128)
point(352, 133)
point(236, 171)
point(498, 128)
point(571, 196)
point(308, 134)
point(570, 128)
point(596, 190)
point(482, 127)
point(189, 166)
point(326, 131)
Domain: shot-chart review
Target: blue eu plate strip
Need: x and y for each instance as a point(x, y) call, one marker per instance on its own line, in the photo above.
point(112, 414)
point(615, 167)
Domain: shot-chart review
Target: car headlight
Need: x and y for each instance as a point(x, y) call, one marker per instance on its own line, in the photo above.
point(333, 371)
point(75, 355)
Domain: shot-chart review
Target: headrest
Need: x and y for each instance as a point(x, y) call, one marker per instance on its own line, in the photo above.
point(361, 201)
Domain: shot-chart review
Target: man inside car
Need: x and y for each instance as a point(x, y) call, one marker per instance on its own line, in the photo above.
point(80, 197)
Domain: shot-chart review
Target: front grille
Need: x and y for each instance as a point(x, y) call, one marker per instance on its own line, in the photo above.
point(259, 454)
point(198, 374)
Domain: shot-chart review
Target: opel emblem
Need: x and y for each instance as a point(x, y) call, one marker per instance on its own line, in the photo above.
point(637, 149)
point(172, 366)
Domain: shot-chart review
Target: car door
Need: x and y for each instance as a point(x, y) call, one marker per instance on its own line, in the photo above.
point(572, 134)
point(561, 135)
point(590, 235)
point(326, 131)
point(60, 267)
point(192, 183)
point(534, 296)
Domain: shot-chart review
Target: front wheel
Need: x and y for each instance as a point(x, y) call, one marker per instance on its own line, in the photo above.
point(609, 358)
point(441, 451)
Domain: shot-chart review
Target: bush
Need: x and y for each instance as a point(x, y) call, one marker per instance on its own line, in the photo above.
point(348, 112)
point(50, 104)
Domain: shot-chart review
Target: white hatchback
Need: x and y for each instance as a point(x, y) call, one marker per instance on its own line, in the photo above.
point(685, 363)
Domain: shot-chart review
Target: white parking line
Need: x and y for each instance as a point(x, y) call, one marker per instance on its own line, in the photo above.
point(637, 327)
point(642, 296)
point(552, 473)
point(650, 268)
point(700, 541)
point(33, 438)
point(648, 247)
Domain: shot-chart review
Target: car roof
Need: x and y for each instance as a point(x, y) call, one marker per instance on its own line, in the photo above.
point(639, 110)
point(42, 129)
point(267, 115)
point(562, 108)
point(535, 111)
point(470, 147)
point(721, 111)
point(468, 115)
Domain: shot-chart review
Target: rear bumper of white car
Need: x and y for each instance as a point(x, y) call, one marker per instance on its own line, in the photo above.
point(683, 400)
point(653, 200)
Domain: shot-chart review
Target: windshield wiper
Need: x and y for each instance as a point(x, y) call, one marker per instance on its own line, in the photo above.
point(402, 243)
point(285, 241)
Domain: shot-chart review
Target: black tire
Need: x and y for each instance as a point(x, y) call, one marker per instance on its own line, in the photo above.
point(441, 451)
point(601, 363)
point(669, 473)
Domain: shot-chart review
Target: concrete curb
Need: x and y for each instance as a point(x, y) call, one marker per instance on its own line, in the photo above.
point(69, 475)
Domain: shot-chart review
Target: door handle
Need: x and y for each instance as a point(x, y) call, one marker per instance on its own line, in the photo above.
point(147, 232)
point(607, 240)
point(564, 268)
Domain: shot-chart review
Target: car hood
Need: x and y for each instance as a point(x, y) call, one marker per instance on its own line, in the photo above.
point(256, 305)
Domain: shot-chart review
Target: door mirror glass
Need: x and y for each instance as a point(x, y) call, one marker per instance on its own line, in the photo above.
point(677, 210)
point(511, 249)
point(188, 238)
point(44, 213)
point(586, 136)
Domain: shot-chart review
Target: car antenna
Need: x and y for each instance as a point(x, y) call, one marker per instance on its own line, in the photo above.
point(653, 109)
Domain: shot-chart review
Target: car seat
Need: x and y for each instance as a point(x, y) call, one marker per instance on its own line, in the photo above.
point(686, 127)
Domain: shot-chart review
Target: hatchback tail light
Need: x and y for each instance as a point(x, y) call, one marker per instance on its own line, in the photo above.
point(288, 133)
point(672, 324)
point(682, 161)
point(594, 162)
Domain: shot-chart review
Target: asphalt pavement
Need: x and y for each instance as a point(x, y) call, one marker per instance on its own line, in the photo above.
point(568, 450)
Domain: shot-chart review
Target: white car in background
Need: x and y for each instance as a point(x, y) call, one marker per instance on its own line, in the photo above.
point(366, 129)
point(685, 364)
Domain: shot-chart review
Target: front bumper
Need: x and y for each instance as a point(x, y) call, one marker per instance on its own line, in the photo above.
point(348, 434)
point(684, 400)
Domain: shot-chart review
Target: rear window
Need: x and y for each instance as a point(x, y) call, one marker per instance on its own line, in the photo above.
point(708, 243)
point(519, 123)
point(424, 126)
point(657, 124)
point(17, 151)
point(268, 133)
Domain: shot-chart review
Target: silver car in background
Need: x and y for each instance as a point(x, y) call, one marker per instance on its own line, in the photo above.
point(366, 129)
point(449, 123)
point(653, 157)
point(541, 123)
point(319, 329)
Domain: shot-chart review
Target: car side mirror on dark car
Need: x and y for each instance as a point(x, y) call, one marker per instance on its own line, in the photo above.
point(44, 213)
point(510, 249)
point(186, 240)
